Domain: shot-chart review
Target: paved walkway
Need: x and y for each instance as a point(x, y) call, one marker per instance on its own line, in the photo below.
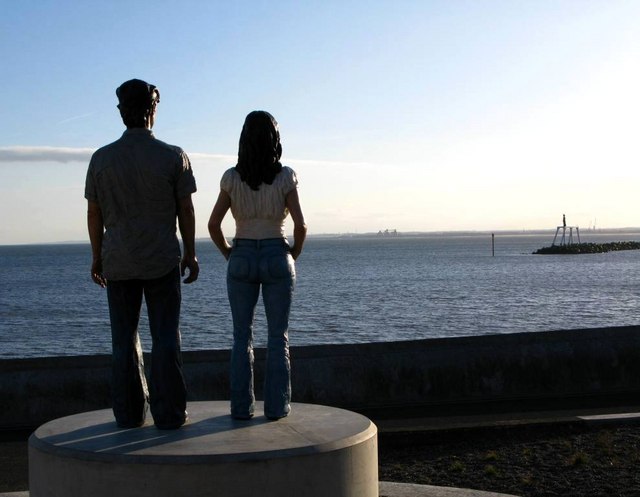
point(604, 415)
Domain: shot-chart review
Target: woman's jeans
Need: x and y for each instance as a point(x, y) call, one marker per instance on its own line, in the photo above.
point(168, 397)
point(252, 264)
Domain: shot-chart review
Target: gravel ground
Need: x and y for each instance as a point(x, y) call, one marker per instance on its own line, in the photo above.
point(14, 467)
point(558, 460)
point(545, 460)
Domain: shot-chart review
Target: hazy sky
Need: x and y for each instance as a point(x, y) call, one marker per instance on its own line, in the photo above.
point(408, 115)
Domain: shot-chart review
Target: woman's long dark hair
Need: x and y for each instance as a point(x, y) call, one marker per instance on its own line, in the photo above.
point(260, 150)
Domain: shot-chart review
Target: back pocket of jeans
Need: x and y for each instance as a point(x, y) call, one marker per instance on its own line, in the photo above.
point(238, 267)
point(282, 266)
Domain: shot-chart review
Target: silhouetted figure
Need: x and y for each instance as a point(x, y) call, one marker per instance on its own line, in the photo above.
point(136, 187)
point(260, 192)
point(564, 221)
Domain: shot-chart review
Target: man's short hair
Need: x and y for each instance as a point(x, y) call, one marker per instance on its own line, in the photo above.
point(136, 100)
point(137, 94)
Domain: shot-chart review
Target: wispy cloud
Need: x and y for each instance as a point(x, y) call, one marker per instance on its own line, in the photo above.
point(75, 118)
point(45, 154)
point(205, 157)
point(70, 154)
point(310, 162)
point(294, 162)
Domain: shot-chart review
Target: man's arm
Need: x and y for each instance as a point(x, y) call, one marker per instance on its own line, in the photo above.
point(95, 225)
point(187, 225)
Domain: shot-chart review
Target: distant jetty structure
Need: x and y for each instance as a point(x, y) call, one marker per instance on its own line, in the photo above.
point(564, 240)
point(567, 245)
point(388, 232)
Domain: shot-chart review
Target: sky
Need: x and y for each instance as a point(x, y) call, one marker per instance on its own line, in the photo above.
point(408, 115)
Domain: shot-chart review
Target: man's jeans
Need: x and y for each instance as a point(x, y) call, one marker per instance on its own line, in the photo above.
point(129, 389)
point(252, 264)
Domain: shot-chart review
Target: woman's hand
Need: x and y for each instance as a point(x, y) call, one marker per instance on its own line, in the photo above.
point(295, 252)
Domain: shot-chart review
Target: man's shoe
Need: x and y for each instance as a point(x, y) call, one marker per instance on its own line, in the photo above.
point(129, 426)
point(276, 418)
point(174, 425)
point(242, 417)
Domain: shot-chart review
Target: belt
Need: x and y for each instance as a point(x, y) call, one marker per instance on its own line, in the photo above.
point(267, 242)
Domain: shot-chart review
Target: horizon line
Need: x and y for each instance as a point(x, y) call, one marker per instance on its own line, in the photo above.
point(629, 229)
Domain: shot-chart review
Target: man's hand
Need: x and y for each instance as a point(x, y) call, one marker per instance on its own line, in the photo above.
point(187, 225)
point(194, 269)
point(96, 273)
point(95, 224)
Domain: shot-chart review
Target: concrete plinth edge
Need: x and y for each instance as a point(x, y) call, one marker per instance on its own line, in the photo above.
point(316, 451)
point(389, 489)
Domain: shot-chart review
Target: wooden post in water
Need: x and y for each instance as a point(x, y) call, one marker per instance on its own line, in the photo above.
point(493, 245)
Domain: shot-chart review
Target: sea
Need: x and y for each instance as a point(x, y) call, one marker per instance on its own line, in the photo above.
point(349, 289)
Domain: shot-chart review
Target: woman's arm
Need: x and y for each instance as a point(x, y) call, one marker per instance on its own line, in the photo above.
point(215, 223)
point(292, 201)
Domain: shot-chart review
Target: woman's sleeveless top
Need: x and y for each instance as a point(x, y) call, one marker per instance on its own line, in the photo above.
point(259, 214)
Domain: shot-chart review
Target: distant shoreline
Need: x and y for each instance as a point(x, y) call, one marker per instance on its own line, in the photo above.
point(400, 234)
point(532, 232)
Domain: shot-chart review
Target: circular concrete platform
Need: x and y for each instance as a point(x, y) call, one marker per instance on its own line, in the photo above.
point(317, 451)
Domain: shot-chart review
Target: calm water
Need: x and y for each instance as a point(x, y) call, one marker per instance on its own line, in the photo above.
point(349, 290)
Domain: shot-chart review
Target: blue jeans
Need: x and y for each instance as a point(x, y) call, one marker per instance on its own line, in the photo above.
point(129, 388)
point(254, 264)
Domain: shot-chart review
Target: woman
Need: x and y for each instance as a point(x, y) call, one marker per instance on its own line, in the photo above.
point(260, 193)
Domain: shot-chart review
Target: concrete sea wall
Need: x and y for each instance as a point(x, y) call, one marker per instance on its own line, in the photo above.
point(423, 377)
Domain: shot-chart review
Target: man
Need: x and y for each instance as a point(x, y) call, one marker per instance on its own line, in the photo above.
point(135, 188)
